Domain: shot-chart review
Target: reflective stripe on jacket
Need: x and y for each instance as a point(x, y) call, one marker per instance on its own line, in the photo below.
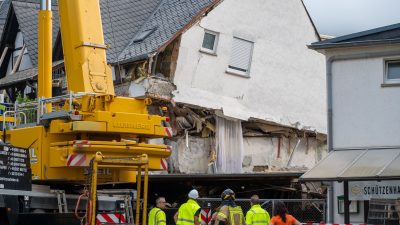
point(236, 215)
point(157, 217)
point(186, 212)
point(257, 216)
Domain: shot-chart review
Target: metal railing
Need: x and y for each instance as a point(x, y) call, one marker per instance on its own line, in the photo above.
point(32, 112)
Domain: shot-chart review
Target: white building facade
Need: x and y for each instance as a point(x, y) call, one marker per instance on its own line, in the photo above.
point(258, 59)
point(249, 61)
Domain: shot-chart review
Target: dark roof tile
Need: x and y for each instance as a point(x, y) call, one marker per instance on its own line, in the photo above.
point(4, 8)
point(27, 16)
point(170, 17)
point(122, 21)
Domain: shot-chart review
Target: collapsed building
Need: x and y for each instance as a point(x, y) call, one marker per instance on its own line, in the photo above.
point(245, 97)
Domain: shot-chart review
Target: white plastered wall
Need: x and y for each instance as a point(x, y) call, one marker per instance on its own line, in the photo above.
point(287, 80)
point(365, 114)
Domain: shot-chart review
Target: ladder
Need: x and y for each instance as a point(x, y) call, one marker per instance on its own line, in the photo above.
point(61, 201)
point(129, 210)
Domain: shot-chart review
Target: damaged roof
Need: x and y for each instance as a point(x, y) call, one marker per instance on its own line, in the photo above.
point(166, 21)
point(125, 24)
point(381, 35)
point(121, 20)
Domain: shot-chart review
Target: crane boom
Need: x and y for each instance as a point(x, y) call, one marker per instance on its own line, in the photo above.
point(45, 51)
point(84, 49)
point(90, 127)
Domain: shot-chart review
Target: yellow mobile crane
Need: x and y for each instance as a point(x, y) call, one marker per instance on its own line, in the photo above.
point(89, 128)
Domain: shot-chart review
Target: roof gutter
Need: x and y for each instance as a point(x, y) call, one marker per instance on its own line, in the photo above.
point(134, 59)
point(353, 44)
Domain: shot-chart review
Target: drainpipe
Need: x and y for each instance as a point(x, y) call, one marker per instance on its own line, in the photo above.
point(45, 52)
point(330, 61)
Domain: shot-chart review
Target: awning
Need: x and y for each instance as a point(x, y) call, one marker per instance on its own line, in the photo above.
point(348, 165)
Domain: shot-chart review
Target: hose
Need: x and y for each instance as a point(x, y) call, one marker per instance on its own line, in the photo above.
point(85, 194)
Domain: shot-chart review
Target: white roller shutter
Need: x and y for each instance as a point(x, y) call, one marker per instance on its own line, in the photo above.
point(242, 51)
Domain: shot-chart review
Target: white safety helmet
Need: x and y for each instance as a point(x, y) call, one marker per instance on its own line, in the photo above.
point(193, 194)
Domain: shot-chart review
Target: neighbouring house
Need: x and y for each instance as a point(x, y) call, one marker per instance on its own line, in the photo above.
point(18, 62)
point(363, 77)
point(243, 92)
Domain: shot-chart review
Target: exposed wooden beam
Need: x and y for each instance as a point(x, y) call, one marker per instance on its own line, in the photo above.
point(19, 59)
point(3, 55)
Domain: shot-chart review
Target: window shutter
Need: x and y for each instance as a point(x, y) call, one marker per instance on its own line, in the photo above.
point(241, 55)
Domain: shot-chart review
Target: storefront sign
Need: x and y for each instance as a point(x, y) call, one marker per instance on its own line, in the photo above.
point(365, 190)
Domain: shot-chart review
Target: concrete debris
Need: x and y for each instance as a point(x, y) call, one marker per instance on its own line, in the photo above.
point(183, 123)
point(198, 148)
point(156, 85)
point(264, 168)
point(152, 86)
point(123, 89)
point(197, 122)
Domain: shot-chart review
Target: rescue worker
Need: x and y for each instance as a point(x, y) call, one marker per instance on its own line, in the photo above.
point(189, 212)
point(257, 215)
point(229, 213)
point(156, 214)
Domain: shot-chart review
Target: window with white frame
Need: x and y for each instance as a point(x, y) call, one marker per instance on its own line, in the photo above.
point(240, 61)
point(392, 71)
point(210, 42)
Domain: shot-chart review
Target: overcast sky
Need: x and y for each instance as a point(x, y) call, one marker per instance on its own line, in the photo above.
point(340, 17)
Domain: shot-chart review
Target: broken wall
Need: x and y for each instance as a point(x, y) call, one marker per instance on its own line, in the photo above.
point(263, 154)
point(260, 154)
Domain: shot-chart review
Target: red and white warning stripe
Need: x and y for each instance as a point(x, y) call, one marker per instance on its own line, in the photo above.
point(338, 224)
point(110, 218)
point(168, 131)
point(81, 143)
point(206, 216)
point(76, 160)
point(164, 164)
